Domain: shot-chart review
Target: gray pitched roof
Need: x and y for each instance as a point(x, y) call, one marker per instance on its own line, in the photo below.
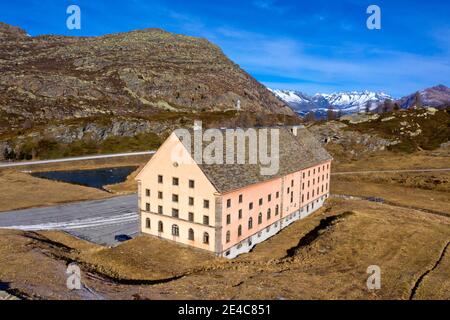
point(295, 153)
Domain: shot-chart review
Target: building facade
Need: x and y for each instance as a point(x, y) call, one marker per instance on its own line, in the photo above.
point(228, 209)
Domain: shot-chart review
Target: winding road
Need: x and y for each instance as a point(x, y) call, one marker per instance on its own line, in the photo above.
point(102, 156)
point(98, 221)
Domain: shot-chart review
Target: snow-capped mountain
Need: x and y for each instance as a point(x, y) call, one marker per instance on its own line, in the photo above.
point(346, 102)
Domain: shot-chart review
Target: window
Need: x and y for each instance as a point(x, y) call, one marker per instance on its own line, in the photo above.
point(322, 188)
point(175, 230)
point(175, 181)
point(328, 166)
point(314, 181)
point(303, 197)
point(323, 168)
point(292, 197)
point(277, 195)
point(228, 203)
point(147, 223)
point(308, 183)
point(147, 207)
point(307, 196)
point(303, 185)
point(228, 218)
point(191, 216)
point(268, 214)
point(260, 218)
point(160, 195)
point(205, 238)
point(303, 175)
point(175, 213)
point(147, 192)
point(174, 198)
point(240, 214)
point(319, 169)
point(317, 190)
point(191, 201)
point(292, 183)
point(288, 190)
point(250, 206)
point(309, 173)
point(191, 184)
point(160, 209)
point(239, 231)
point(260, 202)
point(206, 220)
point(160, 226)
point(240, 198)
point(228, 236)
point(269, 197)
point(314, 171)
point(250, 223)
point(191, 234)
point(206, 204)
point(160, 179)
point(277, 210)
point(313, 193)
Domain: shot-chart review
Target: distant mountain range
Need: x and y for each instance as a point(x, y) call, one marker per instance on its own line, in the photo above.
point(355, 101)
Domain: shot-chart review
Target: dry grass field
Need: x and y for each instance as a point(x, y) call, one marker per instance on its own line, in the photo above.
point(324, 256)
point(20, 190)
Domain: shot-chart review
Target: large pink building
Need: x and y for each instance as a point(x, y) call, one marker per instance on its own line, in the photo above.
point(229, 208)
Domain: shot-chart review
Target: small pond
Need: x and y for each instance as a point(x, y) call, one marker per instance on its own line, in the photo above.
point(95, 178)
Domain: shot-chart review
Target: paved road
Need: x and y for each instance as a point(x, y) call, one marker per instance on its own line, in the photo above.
point(97, 221)
point(391, 171)
point(103, 156)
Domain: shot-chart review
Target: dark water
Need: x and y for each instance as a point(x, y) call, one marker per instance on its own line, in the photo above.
point(95, 178)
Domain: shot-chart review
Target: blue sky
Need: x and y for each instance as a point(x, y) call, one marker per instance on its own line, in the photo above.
point(311, 46)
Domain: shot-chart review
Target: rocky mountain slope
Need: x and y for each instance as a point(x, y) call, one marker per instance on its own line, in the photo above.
point(346, 102)
point(405, 131)
point(437, 97)
point(144, 72)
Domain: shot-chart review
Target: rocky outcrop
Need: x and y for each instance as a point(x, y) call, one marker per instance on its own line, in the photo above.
point(141, 72)
point(354, 142)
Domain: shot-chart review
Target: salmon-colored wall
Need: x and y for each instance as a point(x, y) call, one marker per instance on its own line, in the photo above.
point(162, 163)
point(318, 177)
point(287, 185)
point(250, 194)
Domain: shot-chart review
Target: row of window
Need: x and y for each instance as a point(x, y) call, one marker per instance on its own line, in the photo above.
point(176, 213)
point(313, 192)
point(314, 171)
point(176, 231)
point(175, 198)
point(268, 215)
point(260, 201)
point(176, 181)
point(314, 181)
